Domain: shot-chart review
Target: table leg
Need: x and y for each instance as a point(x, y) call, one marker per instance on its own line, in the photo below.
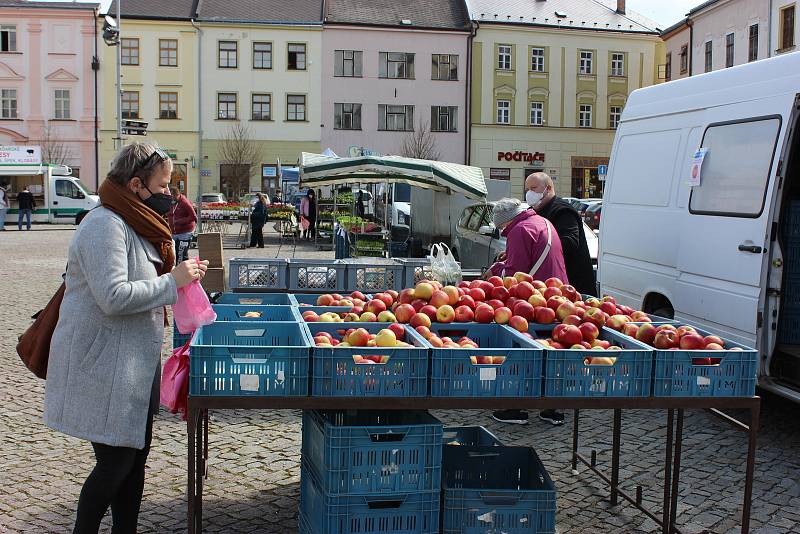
point(191, 430)
point(199, 473)
point(667, 472)
point(205, 443)
point(575, 415)
point(615, 456)
point(755, 413)
point(676, 471)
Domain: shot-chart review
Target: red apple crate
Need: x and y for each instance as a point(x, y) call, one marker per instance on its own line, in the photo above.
point(334, 373)
point(496, 489)
point(454, 375)
point(371, 452)
point(415, 512)
point(566, 374)
point(310, 299)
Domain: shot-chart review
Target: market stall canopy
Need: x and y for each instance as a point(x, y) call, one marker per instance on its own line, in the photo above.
point(318, 170)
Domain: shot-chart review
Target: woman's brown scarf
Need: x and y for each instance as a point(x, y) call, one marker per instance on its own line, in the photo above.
point(144, 221)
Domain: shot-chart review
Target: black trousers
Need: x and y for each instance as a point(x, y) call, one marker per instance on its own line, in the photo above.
point(257, 236)
point(117, 481)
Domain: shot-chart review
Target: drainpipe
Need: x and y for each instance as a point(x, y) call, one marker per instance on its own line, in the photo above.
point(95, 68)
point(199, 113)
point(690, 23)
point(769, 31)
point(468, 95)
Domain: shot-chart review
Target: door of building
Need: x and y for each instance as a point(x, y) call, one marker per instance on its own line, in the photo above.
point(178, 178)
point(586, 183)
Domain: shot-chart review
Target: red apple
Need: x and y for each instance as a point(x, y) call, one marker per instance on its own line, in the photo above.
point(417, 304)
point(358, 295)
point(569, 335)
point(556, 345)
point(325, 300)
point(429, 310)
point(538, 284)
point(589, 331)
point(463, 284)
point(593, 302)
point(609, 298)
point(573, 320)
point(630, 329)
point(423, 291)
point(524, 309)
point(475, 284)
point(399, 331)
point(511, 302)
point(565, 309)
point(420, 319)
point(494, 303)
point(439, 299)
point(452, 292)
point(555, 302)
point(553, 282)
point(500, 293)
point(666, 339)
point(424, 331)
point(509, 282)
point(570, 292)
point(537, 300)
point(502, 315)
point(544, 315)
point(616, 322)
point(518, 323)
point(392, 293)
point(436, 341)
point(376, 306)
point(466, 300)
point(477, 294)
point(692, 341)
point(714, 346)
point(523, 277)
point(358, 310)
point(647, 333)
point(358, 338)
point(551, 292)
point(683, 330)
point(385, 297)
point(404, 312)
point(484, 313)
point(496, 281)
point(445, 314)
point(524, 290)
point(486, 286)
point(609, 307)
point(464, 314)
point(640, 317)
point(406, 296)
point(596, 316)
point(714, 339)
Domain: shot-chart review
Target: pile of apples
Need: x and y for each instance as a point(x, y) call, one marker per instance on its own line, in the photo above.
point(463, 343)
point(375, 310)
point(670, 337)
point(355, 299)
point(391, 337)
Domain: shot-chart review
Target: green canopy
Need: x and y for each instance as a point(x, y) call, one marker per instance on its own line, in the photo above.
point(318, 170)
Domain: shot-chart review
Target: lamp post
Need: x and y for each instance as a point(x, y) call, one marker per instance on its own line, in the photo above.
point(112, 37)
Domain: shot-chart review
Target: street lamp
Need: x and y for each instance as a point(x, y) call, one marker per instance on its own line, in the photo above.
point(112, 37)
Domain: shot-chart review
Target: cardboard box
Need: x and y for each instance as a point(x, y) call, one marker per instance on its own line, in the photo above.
point(209, 248)
point(214, 279)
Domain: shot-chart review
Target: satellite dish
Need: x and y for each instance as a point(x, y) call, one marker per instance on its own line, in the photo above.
point(109, 22)
point(110, 31)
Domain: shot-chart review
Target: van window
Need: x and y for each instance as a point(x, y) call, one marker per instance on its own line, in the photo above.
point(661, 152)
point(736, 168)
point(65, 188)
point(462, 222)
point(475, 220)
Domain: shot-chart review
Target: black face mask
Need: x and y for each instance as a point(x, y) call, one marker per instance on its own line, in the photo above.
point(159, 202)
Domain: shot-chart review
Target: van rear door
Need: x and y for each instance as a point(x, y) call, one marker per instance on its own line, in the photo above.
point(725, 238)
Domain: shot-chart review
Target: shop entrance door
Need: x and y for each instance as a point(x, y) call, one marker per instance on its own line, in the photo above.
point(178, 178)
point(586, 183)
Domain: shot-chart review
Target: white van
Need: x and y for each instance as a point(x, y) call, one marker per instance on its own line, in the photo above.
point(725, 254)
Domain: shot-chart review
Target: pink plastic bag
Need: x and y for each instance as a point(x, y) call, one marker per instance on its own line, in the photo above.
point(193, 309)
point(175, 381)
point(304, 223)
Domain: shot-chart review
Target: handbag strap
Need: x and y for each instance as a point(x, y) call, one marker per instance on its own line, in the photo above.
point(546, 251)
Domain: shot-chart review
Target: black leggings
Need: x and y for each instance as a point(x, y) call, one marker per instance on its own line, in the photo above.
point(117, 481)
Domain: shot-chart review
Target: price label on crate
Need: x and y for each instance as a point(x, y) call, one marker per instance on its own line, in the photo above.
point(703, 381)
point(488, 373)
point(248, 382)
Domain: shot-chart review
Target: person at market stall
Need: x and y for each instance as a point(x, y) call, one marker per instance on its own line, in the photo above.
point(308, 211)
point(360, 204)
point(104, 366)
point(5, 203)
point(26, 204)
point(532, 246)
point(182, 221)
point(258, 218)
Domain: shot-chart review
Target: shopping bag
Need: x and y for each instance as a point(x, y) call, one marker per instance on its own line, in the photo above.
point(175, 381)
point(444, 267)
point(193, 309)
point(304, 223)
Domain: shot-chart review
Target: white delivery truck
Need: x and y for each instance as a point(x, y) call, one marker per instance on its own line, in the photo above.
point(701, 211)
point(60, 197)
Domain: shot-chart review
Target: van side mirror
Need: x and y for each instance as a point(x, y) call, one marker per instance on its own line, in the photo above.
point(80, 195)
point(487, 230)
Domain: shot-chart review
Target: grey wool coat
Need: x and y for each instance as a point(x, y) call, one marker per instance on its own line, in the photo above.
point(105, 354)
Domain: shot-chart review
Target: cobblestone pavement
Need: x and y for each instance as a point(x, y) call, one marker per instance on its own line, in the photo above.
point(253, 484)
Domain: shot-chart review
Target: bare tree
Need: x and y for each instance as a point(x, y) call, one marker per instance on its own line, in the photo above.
point(54, 149)
point(420, 143)
point(239, 150)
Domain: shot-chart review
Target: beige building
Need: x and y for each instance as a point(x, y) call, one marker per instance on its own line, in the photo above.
point(549, 82)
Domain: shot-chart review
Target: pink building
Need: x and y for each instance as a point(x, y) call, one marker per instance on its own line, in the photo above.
point(48, 88)
point(390, 66)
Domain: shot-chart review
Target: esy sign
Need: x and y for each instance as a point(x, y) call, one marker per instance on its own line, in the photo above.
point(20, 155)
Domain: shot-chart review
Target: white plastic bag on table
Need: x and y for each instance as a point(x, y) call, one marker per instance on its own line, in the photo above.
point(444, 267)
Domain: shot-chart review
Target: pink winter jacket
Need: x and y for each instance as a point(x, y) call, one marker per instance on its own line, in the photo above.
point(526, 239)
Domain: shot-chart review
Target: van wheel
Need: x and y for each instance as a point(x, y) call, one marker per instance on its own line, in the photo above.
point(79, 218)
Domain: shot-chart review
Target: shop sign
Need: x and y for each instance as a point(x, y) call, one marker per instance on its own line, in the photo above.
point(360, 151)
point(269, 171)
point(205, 172)
point(499, 174)
point(20, 155)
point(534, 158)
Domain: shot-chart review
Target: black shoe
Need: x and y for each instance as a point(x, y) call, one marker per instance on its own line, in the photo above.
point(514, 417)
point(551, 416)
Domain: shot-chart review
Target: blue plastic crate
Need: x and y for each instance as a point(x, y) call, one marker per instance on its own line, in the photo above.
point(567, 375)
point(236, 312)
point(496, 489)
point(390, 513)
point(371, 452)
point(454, 375)
point(374, 277)
point(258, 273)
point(317, 275)
point(336, 374)
point(416, 270)
point(258, 299)
point(735, 376)
point(470, 436)
point(250, 359)
point(310, 299)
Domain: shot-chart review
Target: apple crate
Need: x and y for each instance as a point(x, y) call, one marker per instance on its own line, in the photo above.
point(369, 276)
point(237, 312)
point(317, 275)
point(566, 374)
point(310, 299)
point(677, 373)
point(250, 359)
point(334, 372)
point(370, 452)
point(258, 273)
point(470, 436)
point(496, 489)
point(258, 299)
point(454, 375)
point(321, 512)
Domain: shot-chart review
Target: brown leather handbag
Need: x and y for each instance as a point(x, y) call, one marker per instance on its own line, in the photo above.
point(34, 344)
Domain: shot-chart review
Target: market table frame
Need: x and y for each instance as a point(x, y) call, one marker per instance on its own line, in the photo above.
point(197, 428)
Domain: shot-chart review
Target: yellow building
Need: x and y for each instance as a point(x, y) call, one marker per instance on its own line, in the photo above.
point(159, 83)
point(549, 83)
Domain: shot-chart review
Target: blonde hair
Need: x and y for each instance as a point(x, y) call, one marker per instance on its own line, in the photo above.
point(127, 163)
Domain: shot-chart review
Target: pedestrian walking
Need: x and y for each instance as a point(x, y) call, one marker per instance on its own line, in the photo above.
point(5, 203)
point(182, 222)
point(258, 218)
point(26, 204)
point(104, 369)
point(308, 211)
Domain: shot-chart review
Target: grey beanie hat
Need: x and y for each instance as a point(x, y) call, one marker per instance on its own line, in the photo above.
point(506, 209)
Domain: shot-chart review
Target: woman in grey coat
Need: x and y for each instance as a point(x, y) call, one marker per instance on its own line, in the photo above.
point(105, 355)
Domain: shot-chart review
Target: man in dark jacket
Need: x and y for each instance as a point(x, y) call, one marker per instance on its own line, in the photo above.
point(26, 206)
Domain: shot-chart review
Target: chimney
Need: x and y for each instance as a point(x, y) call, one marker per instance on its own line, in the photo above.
point(621, 7)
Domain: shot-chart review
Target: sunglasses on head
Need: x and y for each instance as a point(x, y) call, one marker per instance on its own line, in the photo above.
point(158, 153)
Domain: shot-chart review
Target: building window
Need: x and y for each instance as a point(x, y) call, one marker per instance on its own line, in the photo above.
point(668, 67)
point(130, 105)
point(787, 28)
point(62, 104)
point(504, 112)
point(537, 113)
point(297, 56)
point(444, 118)
point(347, 116)
point(168, 52)
point(585, 116)
point(261, 107)
point(617, 64)
point(709, 56)
point(347, 63)
point(8, 103)
point(396, 65)
point(444, 67)
point(684, 59)
point(729, 50)
point(262, 55)
point(296, 107)
point(395, 118)
point(226, 106)
point(504, 57)
point(586, 60)
point(752, 48)
point(167, 105)
point(537, 59)
point(615, 114)
point(130, 51)
point(228, 54)
point(8, 38)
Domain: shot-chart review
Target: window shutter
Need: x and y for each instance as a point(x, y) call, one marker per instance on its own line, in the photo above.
point(454, 67)
point(338, 61)
point(410, 118)
point(453, 119)
point(434, 118)
point(357, 64)
point(382, 117)
point(337, 115)
point(357, 116)
point(410, 63)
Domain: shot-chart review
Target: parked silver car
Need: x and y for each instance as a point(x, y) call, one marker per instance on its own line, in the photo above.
point(477, 242)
